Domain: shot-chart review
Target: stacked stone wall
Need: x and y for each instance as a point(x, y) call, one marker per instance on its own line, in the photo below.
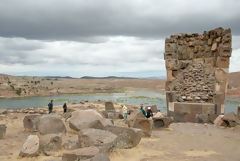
point(197, 67)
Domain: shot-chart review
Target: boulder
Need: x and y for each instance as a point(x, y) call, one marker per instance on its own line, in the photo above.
point(99, 157)
point(231, 119)
point(3, 111)
point(80, 154)
point(109, 107)
point(71, 142)
point(84, 119)
point(161, 120)
point(3, 128)
point(159, 114)
point(30, 122)
point(127, 137)
point(67, 115)
point(104, 140)
point(97, 124)
point(51, 124)
point(104, 114)
point(30, 147)
point(219, 121)
point(137, 120)
point(114, 115)
point(50, 143)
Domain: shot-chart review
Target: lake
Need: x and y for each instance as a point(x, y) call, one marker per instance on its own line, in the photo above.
point(134, 97)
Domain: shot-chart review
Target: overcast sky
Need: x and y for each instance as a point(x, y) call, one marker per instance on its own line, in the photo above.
point(104, 37)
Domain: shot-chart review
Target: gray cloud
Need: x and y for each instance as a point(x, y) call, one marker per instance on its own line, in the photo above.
point(104, 37)
point(92, 20)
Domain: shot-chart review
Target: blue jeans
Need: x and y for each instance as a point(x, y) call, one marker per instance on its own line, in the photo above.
point(125, 116)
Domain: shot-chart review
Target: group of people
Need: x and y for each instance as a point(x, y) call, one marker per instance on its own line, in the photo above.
point(50, 107)
point(148, 113)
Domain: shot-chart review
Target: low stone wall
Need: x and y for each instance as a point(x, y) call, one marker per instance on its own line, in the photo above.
point(197, 67)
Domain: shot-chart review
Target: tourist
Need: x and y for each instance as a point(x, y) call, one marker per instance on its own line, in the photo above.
point(149, 112)
point(124, 111)
point(143, 111)
point(50, 106)
point(65, 107)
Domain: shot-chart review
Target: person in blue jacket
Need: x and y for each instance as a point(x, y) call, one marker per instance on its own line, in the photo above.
point(50, 106)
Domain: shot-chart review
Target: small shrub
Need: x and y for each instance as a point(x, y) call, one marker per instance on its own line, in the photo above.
point(19, 91)
point(12, 86)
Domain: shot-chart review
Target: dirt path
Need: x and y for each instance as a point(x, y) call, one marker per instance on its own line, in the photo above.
point(185, 142)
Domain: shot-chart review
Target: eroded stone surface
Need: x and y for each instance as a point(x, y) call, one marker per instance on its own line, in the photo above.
point(51, 124)
point(104, 140)
point(127, 137)
point(109, 107)
point(30, 147)
point(50, 143)
point(87, 119)
point(197, 67)
point(137, 120)
point(30, 122)
point(80, 154)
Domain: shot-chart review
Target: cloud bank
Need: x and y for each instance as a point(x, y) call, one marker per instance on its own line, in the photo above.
point(105, 37)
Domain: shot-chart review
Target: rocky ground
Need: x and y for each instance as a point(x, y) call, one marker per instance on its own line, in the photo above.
point(181, 141)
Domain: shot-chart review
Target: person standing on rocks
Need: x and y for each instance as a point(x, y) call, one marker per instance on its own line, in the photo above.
point(65, 107)
point(124, 111)
point(143, 111)
point(50, 106)
point(149, 112)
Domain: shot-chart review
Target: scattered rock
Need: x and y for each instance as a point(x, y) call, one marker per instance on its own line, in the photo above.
point(109, 107)
point(80, 154)
point(104, 114)
point(85, 118)
point(127, 137)
point(2, 130)
point(50, 143)
point(219, 121)
point(71, 142)
point(3, 111)
point(159, 114)
point(99, 157)
point(114, 115)
point(231, 119)
point(30, 147)
point(104, 140)
point(30, 122)
point(137, 120)
point(51, 124)
point(161, 120)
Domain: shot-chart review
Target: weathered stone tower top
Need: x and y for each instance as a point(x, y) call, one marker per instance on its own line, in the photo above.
point(197, 67)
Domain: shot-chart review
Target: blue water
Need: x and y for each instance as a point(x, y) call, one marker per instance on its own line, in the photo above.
point(135, 98)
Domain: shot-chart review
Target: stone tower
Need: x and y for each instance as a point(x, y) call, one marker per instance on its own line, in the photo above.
point(197, 67)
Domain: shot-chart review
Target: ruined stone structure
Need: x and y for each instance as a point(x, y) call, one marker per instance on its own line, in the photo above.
point(197, 67)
